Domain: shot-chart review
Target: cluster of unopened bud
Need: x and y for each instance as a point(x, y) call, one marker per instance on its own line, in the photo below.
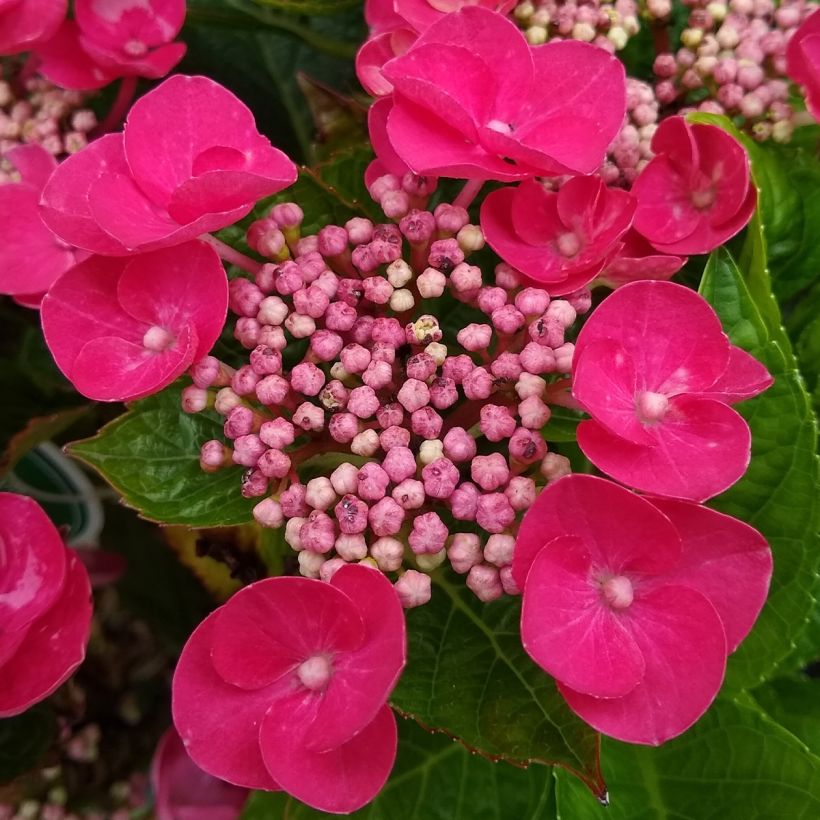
point(35, 111)
point(732, 61)
point(607, 24)
point(389, 435)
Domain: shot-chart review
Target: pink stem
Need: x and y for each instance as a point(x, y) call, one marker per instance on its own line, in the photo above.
point(232, 256)
point(116, 114)
point(468, 193)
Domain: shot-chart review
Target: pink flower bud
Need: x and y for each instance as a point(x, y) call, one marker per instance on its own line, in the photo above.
point(274, 463)
point(330, 568)
point(272, 337)
point(490, 472)
point(244, 381)
point(532, 301)
point(496, 422)
point(418, 226)
point(464, 551)
point(475, 337)
point(254, 483)
point(238, 422)
point(318, 533)
point(326, 345)
point(268, 513)
point(499, 550)
point(445, 255)
point(399, 463)
point(373, 481)
point(464, 501)
point(246, 332)
point(245, 297)
point(320, 493)
point(287, 214)
point(440, 478)
point(310, 563)
point(534, 414)
point(506, 366)
point(226, 400)
point(508, 319)
point(426, 423)
point(457, 367)
point(343, 427)
point(363, 402)
point(521, 493)
point(272, 390)
point(494, 512)
point(413, 588)
point(527, 446)
point(428, 535)
point(300, 326)
point(507, 581)
point(210, 372)
point(292, 529)
point(386, 517)
point(359, 230)
point(388, 553)
point(247, 449)
point(213, 455)
point(554, 466)
point(194, 399)
point(459, 445)
point(413, 395)
point(332, 240)
point(491, 299)
point(309, 417)
point(307, 379)
point(345, 478)
point(665, 66)
point(395, 204)
point(563, 357)
point(293, 502)
point(377, 290)
point(537, 359)
point(351, 547)
point(409, 494)
point(394, 436)
point(365, 444)
point(485, 582)
point(450, 218)
point(431, 283)
point(478, 384)
point(265, 361)
point(351, 513)
point(443, 393)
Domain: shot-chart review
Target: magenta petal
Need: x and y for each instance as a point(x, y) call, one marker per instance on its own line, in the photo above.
point(744, 378)
point(724, 559)
point(26, 23)
point(703, 447)
point(363, 679)
point(153, 65)
point(341, 780)
point(152, 22)
point(184, 792)
point(388, 161)
point(32, 562)
point(34, 164)
point(64, 205)
point(54, 645)
point(665, 213)
point(370, 59)
point(620, 529)
point(681, 637)
point(605, 383)
point(65, 62)
point(674, 337)
point(569, 631)
point(264, 613)
point(218, 722)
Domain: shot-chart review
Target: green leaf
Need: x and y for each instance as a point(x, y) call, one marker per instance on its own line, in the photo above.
point(150, 455)
point(434, 779)
point(779, 493)
point(795, 704)
point(23, 741)
point(562, 426)
point(310, 6)
point(734, 764)
point(468, 676)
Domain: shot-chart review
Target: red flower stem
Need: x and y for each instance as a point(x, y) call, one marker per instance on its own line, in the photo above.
point(116, 114)
point(468, 193)
point(231, 255)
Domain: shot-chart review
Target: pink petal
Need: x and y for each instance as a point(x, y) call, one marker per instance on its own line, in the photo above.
point(184, 792)
point(54, 645)
point(31, 257)
point(636, 260)
point(65, 202)
point(26, 23)
point(155, 64)
point(619, 529)
point(681, 637)
point(341, 780)
point(34, 164)
point(534, 213)
point(803, 56)
point(65, 62)
point(218, 722)
point(363, 679)
point(724, 161)
point(265, 613)
point(673, 336)
point(703, 447)
point(744, 378)
point(175, 287)
point(171, 126)
point(32, 563)
point(388, 161)
point(724, 559)
point(370, 59)
point(151, 22)
point(380, 15)
point(604, 381)
point(569, 631)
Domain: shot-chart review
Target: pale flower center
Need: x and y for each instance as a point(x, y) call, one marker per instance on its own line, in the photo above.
point(135, 48)
point(568, 244)
point(652, 406)
point(704, 198)
point(617, 591)
point(316, 672)
point(157, 339)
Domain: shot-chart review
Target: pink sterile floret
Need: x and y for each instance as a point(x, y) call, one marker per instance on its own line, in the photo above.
point(803, 60)
point(31, 256)
point(45, 606)
point(633, 604)
point(562, 240)
point(637, 259)
point(121, 329)
point(470, 91)
point(285, 687)
point(655, 371)
point(25, 23)
point(190, 161)
point(106, 40)
point(697, 191)
point(182, 791)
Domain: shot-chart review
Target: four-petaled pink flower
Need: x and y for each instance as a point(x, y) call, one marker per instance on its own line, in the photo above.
point(632, 604)
point(108, 39)
point(25, 23)
point(470, 95)
point(182, 791)
point(45, 606)
point(31, 256)
point(121, 329)
point(190, 161)
point(285, 687)
point(803, 60)
point(560, 241)
point(697, 191)
point(655, 371)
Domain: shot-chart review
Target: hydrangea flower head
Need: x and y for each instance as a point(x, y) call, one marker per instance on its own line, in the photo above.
point(697, 191)
point(190, 161)
point(122, 328)
point(656, 373)
point(559, 240)
point(184, 792)
point(25, 23)
point(298, 702)
point(31, 256)
point(107, 40)
point(633, 604)
point(469, 93)
point(803, 56)
point(45, 606)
